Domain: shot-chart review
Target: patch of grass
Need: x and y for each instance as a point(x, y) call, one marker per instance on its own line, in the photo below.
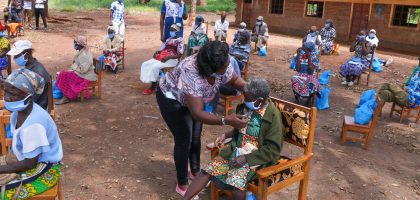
point(133, 5)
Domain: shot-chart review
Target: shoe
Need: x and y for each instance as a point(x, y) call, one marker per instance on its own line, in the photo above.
point(180, 191)
point(343, 79)
point(45, 29)
point(389, 62)
point(62, 101)
point(350, 84)
point(148, 91)
point(191, 176)
point(255, 53)
point(37, 28)
point(344, 83)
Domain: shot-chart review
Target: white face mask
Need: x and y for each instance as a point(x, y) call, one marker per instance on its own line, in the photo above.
point(372, 35)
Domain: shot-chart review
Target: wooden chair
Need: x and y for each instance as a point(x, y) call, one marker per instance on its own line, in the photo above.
point(336, 47)
point(287, 171)
point(94, 84)
point(368, 71)
point(404, 112)
point(51, 194)
point(367, 130)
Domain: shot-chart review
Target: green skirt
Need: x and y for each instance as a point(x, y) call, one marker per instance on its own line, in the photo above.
point(47, 180)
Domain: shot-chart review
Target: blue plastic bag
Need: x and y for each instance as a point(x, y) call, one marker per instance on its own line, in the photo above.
point(324, 78)
point(8, 132)
point(293, 62)
point(322, 102)
point(57, 94)
point(366, 96)
point(364, 113)
point(376, 65)
point(262, 51)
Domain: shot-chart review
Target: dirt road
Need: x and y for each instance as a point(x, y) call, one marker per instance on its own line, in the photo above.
point(118, 147)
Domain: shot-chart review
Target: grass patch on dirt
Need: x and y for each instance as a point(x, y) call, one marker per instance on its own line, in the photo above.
point(133, 5)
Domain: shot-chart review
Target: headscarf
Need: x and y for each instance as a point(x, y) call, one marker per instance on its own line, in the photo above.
point(176, 26)
point(111, 28)
point(27, 81)
point(82, 41)
point(309, 45)
point(199, 20)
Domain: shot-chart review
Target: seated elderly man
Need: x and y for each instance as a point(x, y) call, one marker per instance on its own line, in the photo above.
point(198, 35)
point(409, 96)
point(260, 32)
point(221, 27)
point(112, 50)
point(314, 37)
point(167, 56)
point(256, 146)
point(242, 28)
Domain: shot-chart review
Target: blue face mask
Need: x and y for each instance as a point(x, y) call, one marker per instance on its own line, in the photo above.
point(251, 105)
point(120, 1)
point(327, 25)
point(172, 34)
point(313, 34)
point(372, 35)
point(21, 61)
point(16, 106)
point(111, 35)
point(76, 46)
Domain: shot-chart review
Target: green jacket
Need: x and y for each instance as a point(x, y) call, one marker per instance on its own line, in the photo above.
point(269, 141)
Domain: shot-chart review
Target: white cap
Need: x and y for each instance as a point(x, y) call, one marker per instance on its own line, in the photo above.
point(260, 18)
point(20, 46)
point(372, 31)
point(242, 24)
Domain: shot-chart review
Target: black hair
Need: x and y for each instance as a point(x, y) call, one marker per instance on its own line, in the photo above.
point(211, 57)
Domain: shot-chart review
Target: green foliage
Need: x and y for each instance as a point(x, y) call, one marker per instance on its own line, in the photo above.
point(153, 5)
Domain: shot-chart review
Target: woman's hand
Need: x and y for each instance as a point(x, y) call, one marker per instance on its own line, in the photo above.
point(234, 121)
point(220, 140)
point(239, 161)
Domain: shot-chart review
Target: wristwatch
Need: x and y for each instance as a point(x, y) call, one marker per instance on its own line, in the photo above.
point(223, 121)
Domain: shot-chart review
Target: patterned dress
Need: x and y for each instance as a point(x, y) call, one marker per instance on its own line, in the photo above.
point(303, 83)
point(327, 38)
point(173, 14)
point(356, 65)
point(413, 91)
point(198, 39)
point(224, 171)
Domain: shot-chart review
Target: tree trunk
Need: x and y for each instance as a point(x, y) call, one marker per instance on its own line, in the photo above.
point(191, 17)
point(201, 2)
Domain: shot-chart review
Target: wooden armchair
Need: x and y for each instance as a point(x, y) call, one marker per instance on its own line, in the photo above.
point(367, 130)
point(299, 130)
point(405, 112)
point(94, 84)
point(368, 71)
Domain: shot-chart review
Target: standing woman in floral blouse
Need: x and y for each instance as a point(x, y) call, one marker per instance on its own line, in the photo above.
point(181, 96)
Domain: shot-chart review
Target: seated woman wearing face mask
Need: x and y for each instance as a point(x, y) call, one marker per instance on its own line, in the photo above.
point(33, 167)
point(198, 35)
point(328, 35)
point(112, 50)
point(314, 37)
point(304, 83)
point(354, 67)
point(167, 56)
point(72, 82)
point(256, 146)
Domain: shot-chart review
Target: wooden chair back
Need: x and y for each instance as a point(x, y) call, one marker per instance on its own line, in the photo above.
point(245, 70)
point(50, 96)
point(123, 54)
point(95, 84)
point(369, 70)
point(4, 141)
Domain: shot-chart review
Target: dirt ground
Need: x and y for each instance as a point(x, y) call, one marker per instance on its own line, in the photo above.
point(118, 147)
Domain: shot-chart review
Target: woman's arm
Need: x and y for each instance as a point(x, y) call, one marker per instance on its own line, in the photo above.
point(19, 166)
point(237, 82)
point(196, 107)
point(365, 48)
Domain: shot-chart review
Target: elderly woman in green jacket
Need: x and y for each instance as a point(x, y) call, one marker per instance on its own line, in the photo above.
point(251, 148)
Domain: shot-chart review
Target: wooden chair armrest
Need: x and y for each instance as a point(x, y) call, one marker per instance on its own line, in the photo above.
point(268, 171)
point(212, 146)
